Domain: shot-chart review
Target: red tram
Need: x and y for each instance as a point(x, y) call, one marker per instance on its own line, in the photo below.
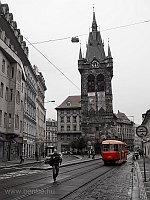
point(114, 151)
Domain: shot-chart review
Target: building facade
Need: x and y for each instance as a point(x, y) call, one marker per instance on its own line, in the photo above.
point(125, 130)
point(40, 113)
point(68, 122)
point(29, 130)
point(96, 71)
point(12, 83)
point(51, 133)
point(19, 92)
point(146, 122)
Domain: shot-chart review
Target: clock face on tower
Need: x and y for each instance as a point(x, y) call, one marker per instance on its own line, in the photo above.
point(95, 64)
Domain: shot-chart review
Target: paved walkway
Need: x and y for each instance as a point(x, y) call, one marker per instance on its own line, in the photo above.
point(143, 178)
point(14, 163)
point(66, 158)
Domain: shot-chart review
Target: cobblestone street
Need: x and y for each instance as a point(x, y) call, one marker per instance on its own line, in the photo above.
point(117, 186)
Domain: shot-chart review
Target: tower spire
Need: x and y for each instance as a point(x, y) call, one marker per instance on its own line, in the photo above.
point(94, 24)
point(80, 53)
point(95, 47)
point(109, 51)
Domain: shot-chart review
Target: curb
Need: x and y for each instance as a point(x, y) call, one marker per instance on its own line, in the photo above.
point(20, 165)
point(65, 164)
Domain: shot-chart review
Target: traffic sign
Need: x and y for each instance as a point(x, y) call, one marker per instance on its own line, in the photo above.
point(141, 131)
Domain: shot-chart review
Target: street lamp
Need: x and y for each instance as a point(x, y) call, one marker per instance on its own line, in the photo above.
point(50, 101)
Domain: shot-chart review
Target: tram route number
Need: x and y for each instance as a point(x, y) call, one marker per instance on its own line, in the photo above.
point(141, 131)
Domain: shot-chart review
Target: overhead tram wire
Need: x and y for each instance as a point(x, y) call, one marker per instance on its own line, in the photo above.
point(32, 44)
point(107, 29)
point(52, 64)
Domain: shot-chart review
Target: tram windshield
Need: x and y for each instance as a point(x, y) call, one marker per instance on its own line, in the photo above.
point(110, 147)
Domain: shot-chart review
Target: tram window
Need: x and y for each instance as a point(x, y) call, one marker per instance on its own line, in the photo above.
point(115, 147)
point(111, 147)
point(106, 147)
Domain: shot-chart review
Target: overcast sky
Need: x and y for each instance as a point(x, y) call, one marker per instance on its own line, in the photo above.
point(43, 20)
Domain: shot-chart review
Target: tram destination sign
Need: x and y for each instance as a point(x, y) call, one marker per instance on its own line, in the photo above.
point(141, 131)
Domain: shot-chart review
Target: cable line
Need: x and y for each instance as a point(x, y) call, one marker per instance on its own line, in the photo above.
point(49, 61)
point(52, 64)
point(65, 38)
point(107, 29)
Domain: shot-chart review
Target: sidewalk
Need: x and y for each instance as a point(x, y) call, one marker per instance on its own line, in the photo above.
point(66, 159)
point(144, 186)
point(15, 163)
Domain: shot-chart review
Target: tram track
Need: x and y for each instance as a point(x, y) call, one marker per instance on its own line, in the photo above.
point(72, 195)
point(66, 180)
point(93, 166)
point(80, 192)
point(46, 176)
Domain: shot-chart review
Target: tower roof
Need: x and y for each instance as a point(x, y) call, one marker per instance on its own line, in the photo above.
point(109, 51)
point(95, 47)
point(94, 24)
point(80, 53)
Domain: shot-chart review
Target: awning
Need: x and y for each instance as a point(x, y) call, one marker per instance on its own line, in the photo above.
point(18, 140)
point(2, 139)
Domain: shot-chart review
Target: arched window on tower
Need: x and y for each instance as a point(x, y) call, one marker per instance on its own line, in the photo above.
point(91, 83)
point(100, 83)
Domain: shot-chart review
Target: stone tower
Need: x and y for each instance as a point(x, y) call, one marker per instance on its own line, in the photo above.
point(96, 71)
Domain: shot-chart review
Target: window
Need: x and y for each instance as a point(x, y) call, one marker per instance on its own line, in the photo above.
point(16, 122)
point(79, 118)
point(62, 119)
point(12, 72)
point(1, 89)
point(91, 83)
point(115, 147)
point(8, 70)
point(3, 66)
point(68, 128)
point(19, 76)
point(62, 112)
point(74, 119)
point(5, 120)
point(74, 127)
point(6, 94)
point(0, 117)
point(21, 128)
point(9, 121)
point(100, 82)
point(21, 105)
point(97, 128)
point(62, 128)
point(18, 97)
point(62, 137)
point(68, 103)
point(68, 137)
point(68, 119)
point(11, 94)
point(106, 147)
point(22, 88)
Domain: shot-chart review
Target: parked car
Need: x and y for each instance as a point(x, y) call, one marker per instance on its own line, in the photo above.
point(67, 153)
